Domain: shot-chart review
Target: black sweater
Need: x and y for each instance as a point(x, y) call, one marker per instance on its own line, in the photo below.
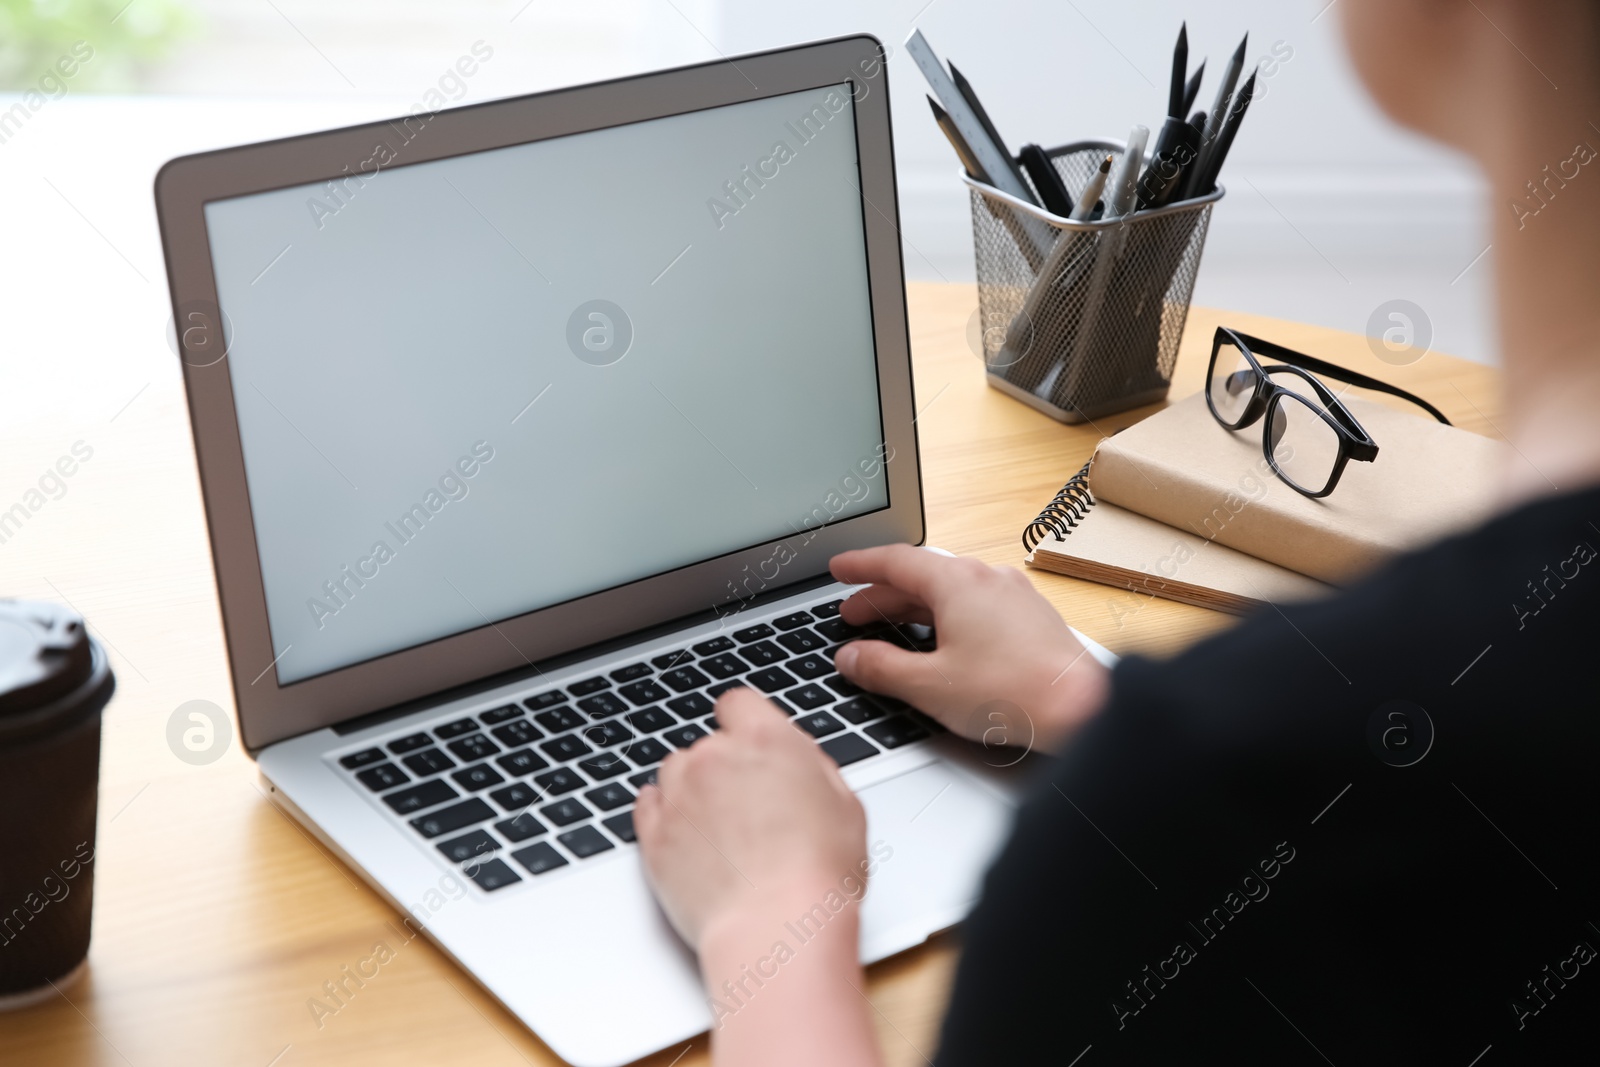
point(1353, 832)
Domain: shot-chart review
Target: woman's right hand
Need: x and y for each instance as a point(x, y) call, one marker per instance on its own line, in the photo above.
point(1007, 670)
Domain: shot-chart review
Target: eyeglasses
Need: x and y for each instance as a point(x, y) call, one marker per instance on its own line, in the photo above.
point(1307, 441)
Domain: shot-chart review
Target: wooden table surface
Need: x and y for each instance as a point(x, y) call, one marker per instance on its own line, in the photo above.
point(217, 919)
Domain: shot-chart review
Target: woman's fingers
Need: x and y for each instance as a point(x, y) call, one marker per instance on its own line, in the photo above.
point(883, 603)
point(913, 571)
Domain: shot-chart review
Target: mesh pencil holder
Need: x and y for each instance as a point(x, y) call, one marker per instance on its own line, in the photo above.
point(1082, 319)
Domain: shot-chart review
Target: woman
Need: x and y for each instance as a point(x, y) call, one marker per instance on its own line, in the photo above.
point(1222, 861)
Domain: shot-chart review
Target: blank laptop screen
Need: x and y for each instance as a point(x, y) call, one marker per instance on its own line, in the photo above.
point(478, 386)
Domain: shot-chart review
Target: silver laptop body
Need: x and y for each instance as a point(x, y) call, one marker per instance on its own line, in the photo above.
point(524, 429)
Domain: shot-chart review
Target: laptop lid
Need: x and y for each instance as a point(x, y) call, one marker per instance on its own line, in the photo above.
point(481, 387)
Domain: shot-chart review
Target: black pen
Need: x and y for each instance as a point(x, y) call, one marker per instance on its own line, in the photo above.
point(1180, 69)
point(1193, 89)
point(1207, 181)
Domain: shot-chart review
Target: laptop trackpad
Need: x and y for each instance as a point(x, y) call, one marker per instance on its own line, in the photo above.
point(931, 833)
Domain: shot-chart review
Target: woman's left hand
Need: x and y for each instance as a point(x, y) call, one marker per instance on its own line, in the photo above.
point(748, 823)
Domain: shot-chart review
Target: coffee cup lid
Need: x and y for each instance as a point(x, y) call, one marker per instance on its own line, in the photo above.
point(45, 654)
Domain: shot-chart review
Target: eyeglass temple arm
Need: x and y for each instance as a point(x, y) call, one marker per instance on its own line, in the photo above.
point(1300, 359)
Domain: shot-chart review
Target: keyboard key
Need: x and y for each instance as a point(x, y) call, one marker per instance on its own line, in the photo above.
point(684, 736)
point(858, 711)
point(456, 729)
point(589, 685)
point(691, 705)
point(510, 711)
point(455, 817)
point(828, 610)
point(802, 641)
point(517, 733)
point(540, 701)
point(809, 696)
point(493, 875)
point(647, 778)
point(539, 858)
point(480, 776)
point(763, 654)
point(811, 665)
point(782, 705)
point(711, 723)
point(566, 747)
point(365, 758)
point(848, 748)
point(383, 776)
point(474, 747)
point(896, 731)
point(516, 796)
point(646, 751)
point(928, 722)
point(561, 780)
point(713, 646)
point(521, 828)
point(842, 685)
point(791, 622)
point(610, 797)
point(566, 812)
point(837, 630)
point(650, 720)
point(410, 743)
point(621, 826)
point(819, 724)
point(463, 848)
point(771, 680)
point(585, 841)
point(558, 719)
point(683, 679)
point(645, 692)
point(722, 687)
point(605, 705)
point(631, 672)
point(604, 765)
point(421, 796)
point(724, 666)
point(522, 761)
point(606, 734)
point(753, 633)
point(668, 660)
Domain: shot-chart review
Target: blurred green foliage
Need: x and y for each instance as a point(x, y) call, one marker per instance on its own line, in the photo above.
point(129, 39)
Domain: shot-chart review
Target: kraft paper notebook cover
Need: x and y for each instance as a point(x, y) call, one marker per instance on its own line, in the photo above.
point(1177, 506)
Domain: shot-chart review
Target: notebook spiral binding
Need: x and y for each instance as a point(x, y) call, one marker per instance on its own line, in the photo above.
point(1064, 512)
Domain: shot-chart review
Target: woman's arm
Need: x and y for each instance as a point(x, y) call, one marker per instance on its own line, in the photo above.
point(757, 849)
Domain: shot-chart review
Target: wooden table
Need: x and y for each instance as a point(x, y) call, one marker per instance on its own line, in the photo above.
point(217, 919)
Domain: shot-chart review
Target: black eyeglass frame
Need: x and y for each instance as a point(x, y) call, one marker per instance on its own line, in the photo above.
point(1354, 441)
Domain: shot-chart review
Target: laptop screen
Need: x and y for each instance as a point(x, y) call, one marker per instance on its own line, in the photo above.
point(474, 387)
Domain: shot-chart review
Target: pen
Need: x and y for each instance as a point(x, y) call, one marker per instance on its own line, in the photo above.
point(1180, 67)
point(1091, 192)
point(1230, 79)
point(1207, 180)
point(1046, 180)
point(1193, 89)
point(1124, 186)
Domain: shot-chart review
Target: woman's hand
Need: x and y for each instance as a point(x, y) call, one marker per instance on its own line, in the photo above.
point(751, 816)
point(1006, 671)
point(750, 831)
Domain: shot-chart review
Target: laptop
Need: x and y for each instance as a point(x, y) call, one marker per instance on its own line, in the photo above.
point(525, 430)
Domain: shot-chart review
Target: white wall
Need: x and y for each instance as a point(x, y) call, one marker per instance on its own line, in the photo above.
point(1331, 211)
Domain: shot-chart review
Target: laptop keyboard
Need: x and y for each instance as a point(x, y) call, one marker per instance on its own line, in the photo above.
point(533, 786)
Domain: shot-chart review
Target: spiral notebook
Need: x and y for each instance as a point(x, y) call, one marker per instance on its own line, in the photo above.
point(1081, 537)
point(1179, 507)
